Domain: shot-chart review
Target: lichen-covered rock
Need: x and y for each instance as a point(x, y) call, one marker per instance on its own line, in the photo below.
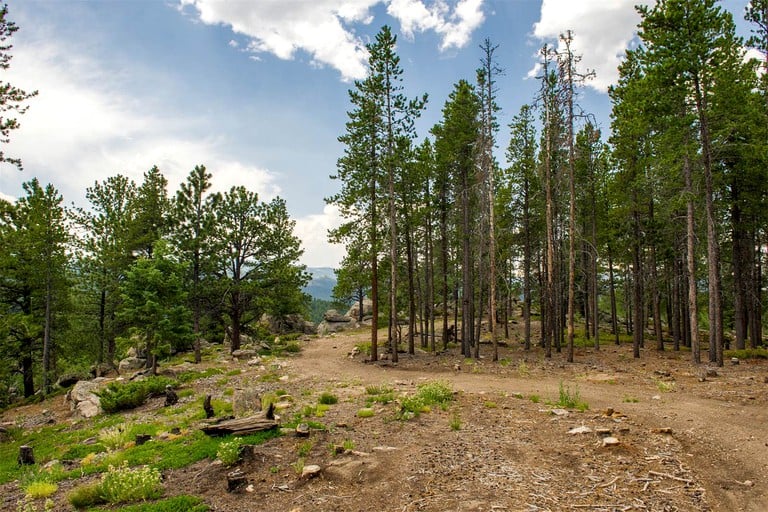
point(84, 400)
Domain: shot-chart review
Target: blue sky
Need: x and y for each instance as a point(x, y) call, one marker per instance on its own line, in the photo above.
point(257, 90)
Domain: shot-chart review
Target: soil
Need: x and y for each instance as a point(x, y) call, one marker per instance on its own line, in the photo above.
point(659, 435)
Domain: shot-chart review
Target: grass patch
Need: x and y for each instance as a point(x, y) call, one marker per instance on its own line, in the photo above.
point(175, 504)
point(305, 448)
point(437, 393)
point(455, 423)
point(534, 398)
point(229, 451)
point(490, 405)
point(665, 386)
point(124, 484)
point(327, 399)
point(571, 399)
point(40, 489)
point(630, 400)
point(193, 375)
point(365, 412)
point(747, 353)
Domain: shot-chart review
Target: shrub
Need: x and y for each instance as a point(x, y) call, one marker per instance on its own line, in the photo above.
point(571, 399)
point(28, 505)
point(119, 396)
point(366, 412)
point(86, 495)
point(435, 393)
point(40, 489)
point(328, 399)
point(113, 438)
point(229, 451)
point(124, 484)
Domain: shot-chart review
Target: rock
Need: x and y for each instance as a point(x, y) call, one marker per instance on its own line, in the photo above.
point(244, 353)
point(710, 372)
point(255, 361)
point(246, 402)
point(131, 363)
point(559, 412)
point(103, 370)
point(310, 471)
point(354, 311)
point(302, 430)
point(735, 360)
point(603, 431)
point(236, 480)
point(609, 411)
point(580, 430)
point(334, 316)
point(68, 380)
point(83, 398)
point(662, 430)
point(171, 398)
point(610, 441)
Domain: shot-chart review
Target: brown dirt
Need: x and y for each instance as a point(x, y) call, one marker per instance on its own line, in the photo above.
point(691, 446)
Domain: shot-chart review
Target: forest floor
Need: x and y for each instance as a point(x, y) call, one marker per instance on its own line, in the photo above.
point(680, 440)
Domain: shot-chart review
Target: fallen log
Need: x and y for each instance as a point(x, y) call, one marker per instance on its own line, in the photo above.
point(241, 426)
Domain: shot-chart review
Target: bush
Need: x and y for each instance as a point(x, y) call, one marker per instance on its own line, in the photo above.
point(571, 399)
point(229, 451)
point(40, 489)
point(328, 399)
point(87, 495)
point(120, 396)
point(124, 484)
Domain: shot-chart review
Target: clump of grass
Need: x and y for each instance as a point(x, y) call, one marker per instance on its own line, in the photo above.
point(571, 399)
point(86, 495)
point(364, 348)
point(665, 386)
point(522, 369)
point(305, 448)
point(175, 504)
point(428, 394)
point(298, 466)
point(327, 398)
point(118, 396)
point(123, 484)
point(113, 438)
point(747, 353)
point(455, 422)
point(365, 412)
point(40, 489)
point(490, 404)
point(535, 398)
point(229, 451)
point(630, 400)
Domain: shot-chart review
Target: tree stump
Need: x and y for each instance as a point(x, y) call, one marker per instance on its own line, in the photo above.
point(236, 480)
point(142, 438)
point(26, 455)
point(170, 396)
point(207, 407)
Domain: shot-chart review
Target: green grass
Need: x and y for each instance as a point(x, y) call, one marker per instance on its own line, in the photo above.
point(175, 504)
point(664, 386)
point(747, 353)
point(365, 412)
point(571, 398)
point(630, 400)
point(193, 375)
point(40, 489)
point(327, 399)
point(437, 393)
point(455, 423)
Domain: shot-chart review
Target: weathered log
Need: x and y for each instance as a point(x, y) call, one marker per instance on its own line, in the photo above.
point(241, 426)
point(207, 407)
point(26, 455)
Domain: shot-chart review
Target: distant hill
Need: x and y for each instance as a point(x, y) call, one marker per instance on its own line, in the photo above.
point(322, 283)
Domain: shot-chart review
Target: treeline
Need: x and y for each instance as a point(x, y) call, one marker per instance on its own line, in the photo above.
point(658, 228)
point(137, 268)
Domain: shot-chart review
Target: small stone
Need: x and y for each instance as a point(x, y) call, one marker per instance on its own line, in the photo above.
point(384, 448)
point(711, 372)
point(559, 412)
point(603, 431)
point(250, 488)
point(748, 483)
point(310, 471)
point(284, 378)
point(580, 430)
point(735, 360)
point(610, 441)
point(656, 397)
point(663, 430)
point(254, 361)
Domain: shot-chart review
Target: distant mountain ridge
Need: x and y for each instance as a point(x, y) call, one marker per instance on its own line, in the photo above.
point(322, 283)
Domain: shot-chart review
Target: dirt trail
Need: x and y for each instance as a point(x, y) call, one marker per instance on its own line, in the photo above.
point(721, 423)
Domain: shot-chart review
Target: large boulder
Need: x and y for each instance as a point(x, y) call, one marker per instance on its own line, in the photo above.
point(334, 316)
point(131, 364)
point(83, 398)
point(333, 321)
point(354, 310)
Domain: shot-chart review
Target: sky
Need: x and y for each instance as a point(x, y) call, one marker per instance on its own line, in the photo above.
point(257, 90)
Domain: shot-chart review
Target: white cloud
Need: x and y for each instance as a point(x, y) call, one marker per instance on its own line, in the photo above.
point(324, 28)
point(83, 127)
point(283, 27)
point(455, 26)
point(601, 30)
point(312, 230)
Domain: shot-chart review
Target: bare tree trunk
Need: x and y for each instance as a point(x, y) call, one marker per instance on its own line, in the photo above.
point(612, 292)
point(693, 310)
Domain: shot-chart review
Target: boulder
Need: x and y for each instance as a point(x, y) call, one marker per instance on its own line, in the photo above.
point(354, 311)
point(131, 363)
point(83, 398)
point(333, 316)
point(68, 380)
